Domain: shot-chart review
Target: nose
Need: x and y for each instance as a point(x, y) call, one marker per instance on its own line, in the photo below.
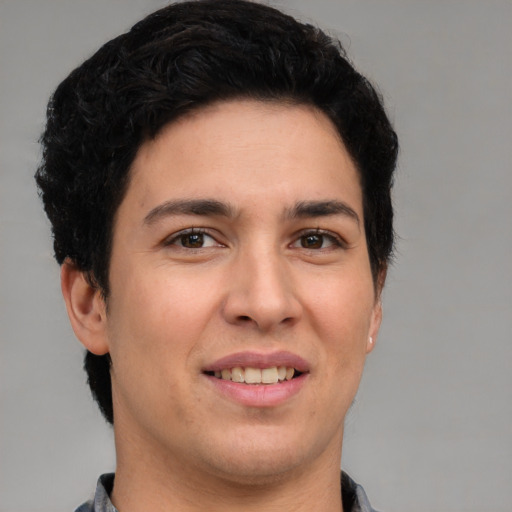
point(261, 292)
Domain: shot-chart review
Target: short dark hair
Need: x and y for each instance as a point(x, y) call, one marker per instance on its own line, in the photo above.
point(175, 61)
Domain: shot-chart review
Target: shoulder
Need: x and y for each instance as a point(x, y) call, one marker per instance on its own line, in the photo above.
point(353, 496)
point(101, 501)
point(88, 506)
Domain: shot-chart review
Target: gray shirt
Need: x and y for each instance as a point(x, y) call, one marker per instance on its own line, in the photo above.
point(354, 497)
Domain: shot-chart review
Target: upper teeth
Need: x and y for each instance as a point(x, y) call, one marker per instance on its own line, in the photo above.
point(251, 375)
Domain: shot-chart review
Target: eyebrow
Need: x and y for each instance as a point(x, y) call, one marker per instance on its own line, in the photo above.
point(189, 207)
point(212, 207)
point(305, 209)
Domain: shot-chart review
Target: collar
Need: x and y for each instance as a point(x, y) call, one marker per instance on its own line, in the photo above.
point(353, 496)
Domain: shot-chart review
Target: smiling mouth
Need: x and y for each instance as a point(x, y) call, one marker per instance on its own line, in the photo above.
point(251, 375)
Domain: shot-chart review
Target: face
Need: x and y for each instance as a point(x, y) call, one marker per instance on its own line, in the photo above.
point(239, 254)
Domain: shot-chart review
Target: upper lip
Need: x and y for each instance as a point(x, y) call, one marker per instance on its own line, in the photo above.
point(259, 360)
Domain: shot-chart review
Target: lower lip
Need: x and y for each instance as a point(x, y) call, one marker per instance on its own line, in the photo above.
point(259, 395)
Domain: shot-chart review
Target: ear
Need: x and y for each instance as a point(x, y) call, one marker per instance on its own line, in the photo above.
point(375, 322)
point(376, 318)
point(86, 309)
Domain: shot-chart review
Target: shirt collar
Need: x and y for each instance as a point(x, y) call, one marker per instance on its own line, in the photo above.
point(101, 501)
point(353, 495)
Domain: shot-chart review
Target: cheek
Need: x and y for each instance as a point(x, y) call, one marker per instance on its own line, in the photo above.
point(341, 312)
point(154, 329)
point(161, 314)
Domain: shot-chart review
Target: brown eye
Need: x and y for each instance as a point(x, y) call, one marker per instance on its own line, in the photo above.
point(192, 240)
point(312, 241)
point(317, 240)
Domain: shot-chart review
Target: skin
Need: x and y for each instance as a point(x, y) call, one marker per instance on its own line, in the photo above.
point(259, 279)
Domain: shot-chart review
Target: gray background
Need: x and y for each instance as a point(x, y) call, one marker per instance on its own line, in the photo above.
point(431, 429)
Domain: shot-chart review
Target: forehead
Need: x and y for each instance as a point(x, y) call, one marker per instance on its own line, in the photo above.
point(242, 150)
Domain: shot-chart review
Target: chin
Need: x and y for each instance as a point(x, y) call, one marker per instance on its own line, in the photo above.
point(256, 470)
point(259, 460)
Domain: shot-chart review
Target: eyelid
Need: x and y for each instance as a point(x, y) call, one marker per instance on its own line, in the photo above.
point(336, 239)
point(171, 239)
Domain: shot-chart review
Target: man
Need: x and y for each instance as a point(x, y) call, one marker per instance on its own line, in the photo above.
point(218, 181)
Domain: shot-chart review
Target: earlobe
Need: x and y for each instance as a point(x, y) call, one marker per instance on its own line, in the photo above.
point(374, 326)
point(376, 319)
point(86, 309)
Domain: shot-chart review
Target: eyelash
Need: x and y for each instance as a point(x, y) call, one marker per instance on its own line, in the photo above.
point(335, 239)
point(190, 231)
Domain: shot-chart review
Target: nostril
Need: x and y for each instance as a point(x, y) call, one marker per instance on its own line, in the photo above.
point(244, 318)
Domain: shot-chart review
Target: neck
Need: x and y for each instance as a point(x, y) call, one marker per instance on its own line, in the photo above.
point(147, 482)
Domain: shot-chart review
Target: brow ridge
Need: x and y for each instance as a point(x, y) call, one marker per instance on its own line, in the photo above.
point(305, 209)
point(203, 207)
point(213, 207)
